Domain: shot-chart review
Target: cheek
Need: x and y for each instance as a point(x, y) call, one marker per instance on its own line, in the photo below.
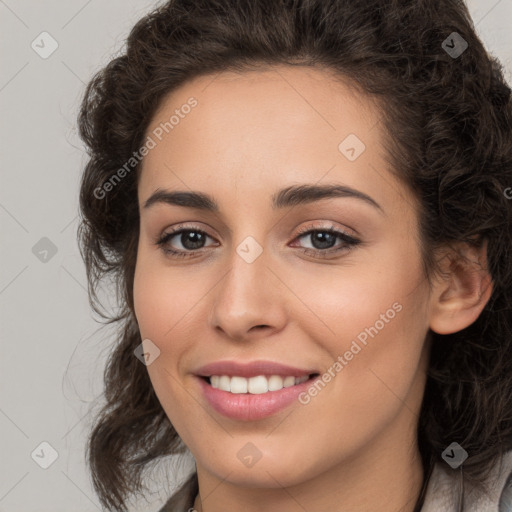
point(376, 321)
point(167, 305)
point(383, 296)
point(162, 297)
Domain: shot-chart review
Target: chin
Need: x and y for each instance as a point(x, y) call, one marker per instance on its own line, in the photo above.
point(276, 470)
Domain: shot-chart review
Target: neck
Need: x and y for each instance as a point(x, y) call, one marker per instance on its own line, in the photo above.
point(385, 479)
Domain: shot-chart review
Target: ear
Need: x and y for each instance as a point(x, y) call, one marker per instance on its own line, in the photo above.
point(461, 289)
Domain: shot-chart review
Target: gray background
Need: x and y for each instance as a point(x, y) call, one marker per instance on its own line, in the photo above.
point(52, 350)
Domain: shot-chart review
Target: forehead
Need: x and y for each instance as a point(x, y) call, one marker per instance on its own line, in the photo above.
point(264, 127)
point(271, 98)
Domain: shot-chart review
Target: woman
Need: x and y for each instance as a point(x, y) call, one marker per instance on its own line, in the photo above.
point(305, 207)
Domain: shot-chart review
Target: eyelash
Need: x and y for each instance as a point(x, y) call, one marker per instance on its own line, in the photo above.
point(349, 241)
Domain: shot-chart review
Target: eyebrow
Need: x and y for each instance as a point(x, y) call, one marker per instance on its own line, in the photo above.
point(286, 197)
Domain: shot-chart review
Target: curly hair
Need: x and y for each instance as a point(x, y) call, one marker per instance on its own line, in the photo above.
point(447, 122)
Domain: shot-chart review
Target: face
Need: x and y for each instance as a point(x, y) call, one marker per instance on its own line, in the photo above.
point(328, 285)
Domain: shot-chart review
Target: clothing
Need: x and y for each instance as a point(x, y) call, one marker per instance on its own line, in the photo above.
point(442, 492)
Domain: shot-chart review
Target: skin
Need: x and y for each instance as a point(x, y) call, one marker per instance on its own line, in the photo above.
point(251, 134)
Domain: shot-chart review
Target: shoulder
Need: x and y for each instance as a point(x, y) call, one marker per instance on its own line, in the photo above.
point(443, 490)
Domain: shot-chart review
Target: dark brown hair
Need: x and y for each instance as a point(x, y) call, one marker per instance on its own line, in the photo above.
point(448, 127)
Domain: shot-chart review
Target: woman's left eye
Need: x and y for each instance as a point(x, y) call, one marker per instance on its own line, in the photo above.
point(323, 240)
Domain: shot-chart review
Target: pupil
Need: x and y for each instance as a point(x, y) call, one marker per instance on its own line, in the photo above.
point(326, 240)
point(192, 240)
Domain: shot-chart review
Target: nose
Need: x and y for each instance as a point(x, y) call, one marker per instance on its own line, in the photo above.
point(249, 302)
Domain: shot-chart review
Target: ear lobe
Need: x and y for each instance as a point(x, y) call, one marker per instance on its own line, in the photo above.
point(462, 289)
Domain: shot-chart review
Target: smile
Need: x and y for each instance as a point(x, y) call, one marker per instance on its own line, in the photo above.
point(254, 385)
point(252, 390)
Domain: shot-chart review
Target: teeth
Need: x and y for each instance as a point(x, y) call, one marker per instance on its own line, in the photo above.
point(288, 381)
point(254, 385)
point(238, 385)
point(275, 383)
point(225, 383)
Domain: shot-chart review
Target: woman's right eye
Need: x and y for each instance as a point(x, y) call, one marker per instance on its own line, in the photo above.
point(190, 239)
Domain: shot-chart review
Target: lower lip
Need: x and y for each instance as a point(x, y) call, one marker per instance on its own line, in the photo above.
point(249, 407)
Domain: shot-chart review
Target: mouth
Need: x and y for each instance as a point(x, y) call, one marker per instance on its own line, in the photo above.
point(251, 391)
point(253, 398)
point(256, 385)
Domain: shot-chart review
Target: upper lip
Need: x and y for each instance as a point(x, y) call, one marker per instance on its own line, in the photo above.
point(252, 369)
